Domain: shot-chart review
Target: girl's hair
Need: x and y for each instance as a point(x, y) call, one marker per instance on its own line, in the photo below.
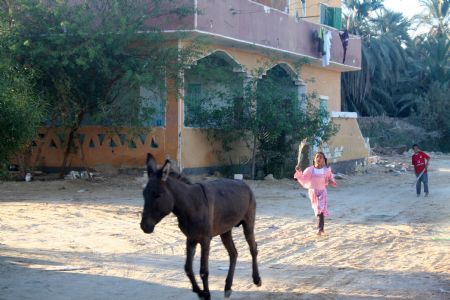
point(323, 155)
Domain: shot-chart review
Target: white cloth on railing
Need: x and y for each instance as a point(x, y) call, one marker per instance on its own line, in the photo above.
point(327, 47)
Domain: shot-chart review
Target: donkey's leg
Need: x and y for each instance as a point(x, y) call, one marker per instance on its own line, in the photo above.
point(227, 240)
point(204, 268)
point(250, 237)
point(190, 252)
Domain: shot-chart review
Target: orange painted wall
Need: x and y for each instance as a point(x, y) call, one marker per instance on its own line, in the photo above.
point(97, 153)
point(172, 120)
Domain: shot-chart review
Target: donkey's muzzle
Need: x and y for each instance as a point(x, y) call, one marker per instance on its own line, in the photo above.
point(147, 228)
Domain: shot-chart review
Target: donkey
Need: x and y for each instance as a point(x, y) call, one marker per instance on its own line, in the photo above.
point(203, 210)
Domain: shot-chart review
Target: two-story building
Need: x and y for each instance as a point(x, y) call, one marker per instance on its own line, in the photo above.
point(240, 35)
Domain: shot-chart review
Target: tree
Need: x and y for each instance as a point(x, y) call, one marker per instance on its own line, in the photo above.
point(433, 46)
point(358, 12)
point(401, 77)
point(375, 90)
point(21, 113)
point(436, 16)
point(91, 57)
point(433, 52)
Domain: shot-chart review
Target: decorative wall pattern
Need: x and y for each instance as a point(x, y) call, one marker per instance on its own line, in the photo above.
point(98, 146)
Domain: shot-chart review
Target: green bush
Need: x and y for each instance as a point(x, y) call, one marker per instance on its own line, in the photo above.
point(20, 113)
point(396, 132)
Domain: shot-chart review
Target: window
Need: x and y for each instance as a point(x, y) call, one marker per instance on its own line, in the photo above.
point(192, 104)
point(153, 104)
point(331, 16)
point(323, 102)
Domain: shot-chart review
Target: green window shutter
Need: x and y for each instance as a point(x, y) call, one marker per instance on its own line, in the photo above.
point(331, 16)
point(323, 13)
point(337, 18)
point(192, 104)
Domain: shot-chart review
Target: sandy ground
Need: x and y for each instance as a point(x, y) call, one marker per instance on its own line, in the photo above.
point(74, 239)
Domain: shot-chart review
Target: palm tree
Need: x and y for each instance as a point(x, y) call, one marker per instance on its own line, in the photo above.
point(436, 16)
point(358, 14)
point(433, 53)
point(402, 77)
point(385, 42)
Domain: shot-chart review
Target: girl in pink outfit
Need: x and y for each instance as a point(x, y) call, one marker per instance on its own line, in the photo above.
point(316, 178)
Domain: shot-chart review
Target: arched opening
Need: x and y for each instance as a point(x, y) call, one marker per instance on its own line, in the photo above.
point(215, 81)
point(277, 107)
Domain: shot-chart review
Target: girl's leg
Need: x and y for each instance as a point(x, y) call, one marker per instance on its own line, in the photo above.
point(314, 201)
point(318, 221)
point(321, 223)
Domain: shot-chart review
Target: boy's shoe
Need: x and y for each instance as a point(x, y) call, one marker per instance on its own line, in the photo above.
point(426, 195)
point(418, 195)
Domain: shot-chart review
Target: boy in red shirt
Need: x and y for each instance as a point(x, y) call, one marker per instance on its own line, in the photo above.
point(420, 160)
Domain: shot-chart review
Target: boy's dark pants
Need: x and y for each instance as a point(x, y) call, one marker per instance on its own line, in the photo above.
point(424, 179)
point(320, 222)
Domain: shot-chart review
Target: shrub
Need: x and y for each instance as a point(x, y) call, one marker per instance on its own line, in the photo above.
point(20, 114)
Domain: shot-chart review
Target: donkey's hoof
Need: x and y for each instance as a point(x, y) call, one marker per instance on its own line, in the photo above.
point(199, 293)
point(257, 281)
point(205, 296)
point(228, 293)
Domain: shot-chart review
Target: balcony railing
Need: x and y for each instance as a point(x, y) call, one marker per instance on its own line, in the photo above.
point(247, 22)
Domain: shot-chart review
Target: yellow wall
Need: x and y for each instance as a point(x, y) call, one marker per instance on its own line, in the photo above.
point(325, 82)
point(348, 143)
point(199, 151)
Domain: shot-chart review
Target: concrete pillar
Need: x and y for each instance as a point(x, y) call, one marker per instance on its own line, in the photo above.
point(301, 92)
point(173, 120)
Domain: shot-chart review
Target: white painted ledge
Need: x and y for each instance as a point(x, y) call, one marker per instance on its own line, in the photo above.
point(344, 114)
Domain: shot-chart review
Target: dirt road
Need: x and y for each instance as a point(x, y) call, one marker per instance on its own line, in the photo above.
point(75, 239)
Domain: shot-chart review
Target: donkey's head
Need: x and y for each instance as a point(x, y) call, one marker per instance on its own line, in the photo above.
point(158, 200)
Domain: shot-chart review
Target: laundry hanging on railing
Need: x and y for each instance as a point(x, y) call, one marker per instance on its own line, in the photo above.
point(320, 36)
point(344, 39)
point(323, 38)
point(326, 54)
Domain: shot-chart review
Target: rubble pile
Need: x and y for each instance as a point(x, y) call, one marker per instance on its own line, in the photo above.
point(393, 164)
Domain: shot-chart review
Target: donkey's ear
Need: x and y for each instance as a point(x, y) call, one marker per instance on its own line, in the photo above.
point(151, 164)
point(166, 170)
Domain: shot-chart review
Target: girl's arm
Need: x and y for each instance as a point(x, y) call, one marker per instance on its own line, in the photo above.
point(304, 178)
point(333, 183)
point(330, 178)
